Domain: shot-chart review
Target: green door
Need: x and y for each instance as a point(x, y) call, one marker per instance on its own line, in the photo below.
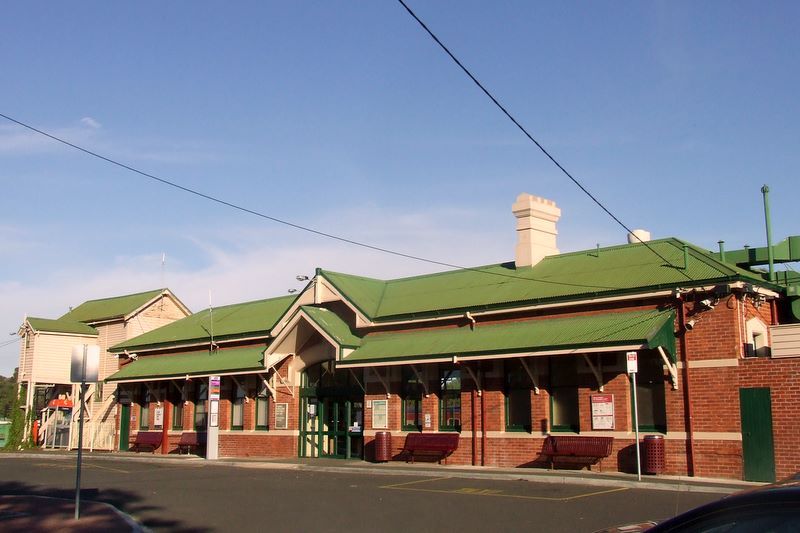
point(124, 427)
point(757, 446)
point(333, 437)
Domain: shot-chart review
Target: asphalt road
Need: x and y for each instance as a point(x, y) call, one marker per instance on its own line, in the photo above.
point(198, 496)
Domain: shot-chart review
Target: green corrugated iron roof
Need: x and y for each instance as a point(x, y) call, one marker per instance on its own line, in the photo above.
point(652, 328)
point(200, 363)
point(333, 325)
point(60, 326)
point(108, 308)
point(601, 272)
point(249, 319)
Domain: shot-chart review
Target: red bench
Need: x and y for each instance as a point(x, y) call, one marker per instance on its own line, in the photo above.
point(147, 439)
point(439, 444)
point(191, 439)
point(577, 446)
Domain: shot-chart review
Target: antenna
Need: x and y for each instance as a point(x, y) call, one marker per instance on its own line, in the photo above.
point(163, 266)
point(211, 318)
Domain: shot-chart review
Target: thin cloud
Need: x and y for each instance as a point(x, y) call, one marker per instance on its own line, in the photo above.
point(92, 123)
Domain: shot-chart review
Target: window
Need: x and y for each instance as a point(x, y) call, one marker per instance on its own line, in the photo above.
point(412, 401)
point(144, 409)
point(98, 392)
point(564, 413)
point(262, 408)
point(650, 393)
point(518, 397)
point(757, 344)
point(450, 400)
point(176, 399)
point(237, 406)
point(200, 407)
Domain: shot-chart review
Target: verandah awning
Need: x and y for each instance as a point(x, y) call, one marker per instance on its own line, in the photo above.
point(631, 330)
point(194, 364)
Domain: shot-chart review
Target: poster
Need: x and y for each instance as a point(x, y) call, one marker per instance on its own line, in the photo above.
point(281, 416)
point(158, 417)
point(602, 411)
point(380, 414)
point(214, 387)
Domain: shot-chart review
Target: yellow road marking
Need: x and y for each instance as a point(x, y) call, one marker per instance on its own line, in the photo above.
point(69, 466)
point(413, 482)
point(493, 492)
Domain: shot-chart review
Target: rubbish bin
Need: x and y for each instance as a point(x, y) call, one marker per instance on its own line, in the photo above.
point(383, 446)
point(653, 454)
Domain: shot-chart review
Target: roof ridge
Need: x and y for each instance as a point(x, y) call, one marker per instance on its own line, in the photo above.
point(153, 291)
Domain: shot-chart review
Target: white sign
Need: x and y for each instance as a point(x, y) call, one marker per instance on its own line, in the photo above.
point(427, 420)
point(85, 363)
point(633, 362)
point(380, 414)
point(282, 415)
point(158, 417)
point(602, 411)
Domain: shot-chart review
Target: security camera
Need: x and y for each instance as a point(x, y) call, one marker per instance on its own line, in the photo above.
point(707, 303)
point(690, 325)
point(133, 356)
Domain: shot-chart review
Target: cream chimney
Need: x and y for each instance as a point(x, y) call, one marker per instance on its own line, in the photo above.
point(536, 228)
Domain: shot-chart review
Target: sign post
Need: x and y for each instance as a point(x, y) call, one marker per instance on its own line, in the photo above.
point(212, 437)
point(84, 367)
point(633, 368)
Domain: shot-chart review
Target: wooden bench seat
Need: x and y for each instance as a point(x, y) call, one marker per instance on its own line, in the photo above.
point(147, 439)
point(437, 444)
point(191, 440)
point(577, 446)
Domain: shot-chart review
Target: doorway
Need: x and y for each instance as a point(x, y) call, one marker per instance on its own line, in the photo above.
point(331, 414)
point(124, 427)
point(758, 450)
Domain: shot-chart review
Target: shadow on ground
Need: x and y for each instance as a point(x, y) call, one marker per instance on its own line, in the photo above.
point(127, 502)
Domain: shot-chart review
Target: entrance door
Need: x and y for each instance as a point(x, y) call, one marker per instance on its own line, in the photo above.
point(124, 427)
point(759, 454)
point(333, 437)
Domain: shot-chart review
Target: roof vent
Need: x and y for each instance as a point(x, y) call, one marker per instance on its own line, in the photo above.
point(638, 235)
point(536, 229)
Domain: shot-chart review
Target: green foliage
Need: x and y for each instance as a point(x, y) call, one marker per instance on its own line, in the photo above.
point(8, 393)
point(17, 432)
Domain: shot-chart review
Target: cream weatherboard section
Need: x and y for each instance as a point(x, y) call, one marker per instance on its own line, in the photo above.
point(785, 340)
point(52, 356)
point(161, 312)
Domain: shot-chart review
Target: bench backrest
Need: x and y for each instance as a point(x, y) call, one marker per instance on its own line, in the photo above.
point(152, 438)
point(192, 438)
point(576, 445)
point(444, 442)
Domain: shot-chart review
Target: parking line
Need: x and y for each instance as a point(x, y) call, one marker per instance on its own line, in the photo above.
point(400, 485)
point(492, 492)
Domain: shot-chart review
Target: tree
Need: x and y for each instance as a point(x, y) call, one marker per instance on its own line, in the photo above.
point(8, 394)
point(16, 435)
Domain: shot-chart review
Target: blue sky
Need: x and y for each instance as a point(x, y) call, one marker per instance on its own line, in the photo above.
point(346, 117)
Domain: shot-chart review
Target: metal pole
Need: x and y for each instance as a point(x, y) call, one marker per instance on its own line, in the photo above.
point(636, 428)
point(80, 438)
point(770, 253)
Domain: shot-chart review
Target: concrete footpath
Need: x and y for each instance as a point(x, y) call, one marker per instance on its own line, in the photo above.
point(38, 513)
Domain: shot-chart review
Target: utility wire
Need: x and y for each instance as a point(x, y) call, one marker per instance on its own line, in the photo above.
point(531, 138)
point(9, 342)
point(291, 224)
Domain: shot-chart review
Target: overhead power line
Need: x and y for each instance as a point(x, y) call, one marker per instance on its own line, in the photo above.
point(530, 137)
point(237, 207)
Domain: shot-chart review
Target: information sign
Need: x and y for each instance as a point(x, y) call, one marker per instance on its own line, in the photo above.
point(282, 416)
point(633, 362)
point(602, 411)
point(380, 414)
